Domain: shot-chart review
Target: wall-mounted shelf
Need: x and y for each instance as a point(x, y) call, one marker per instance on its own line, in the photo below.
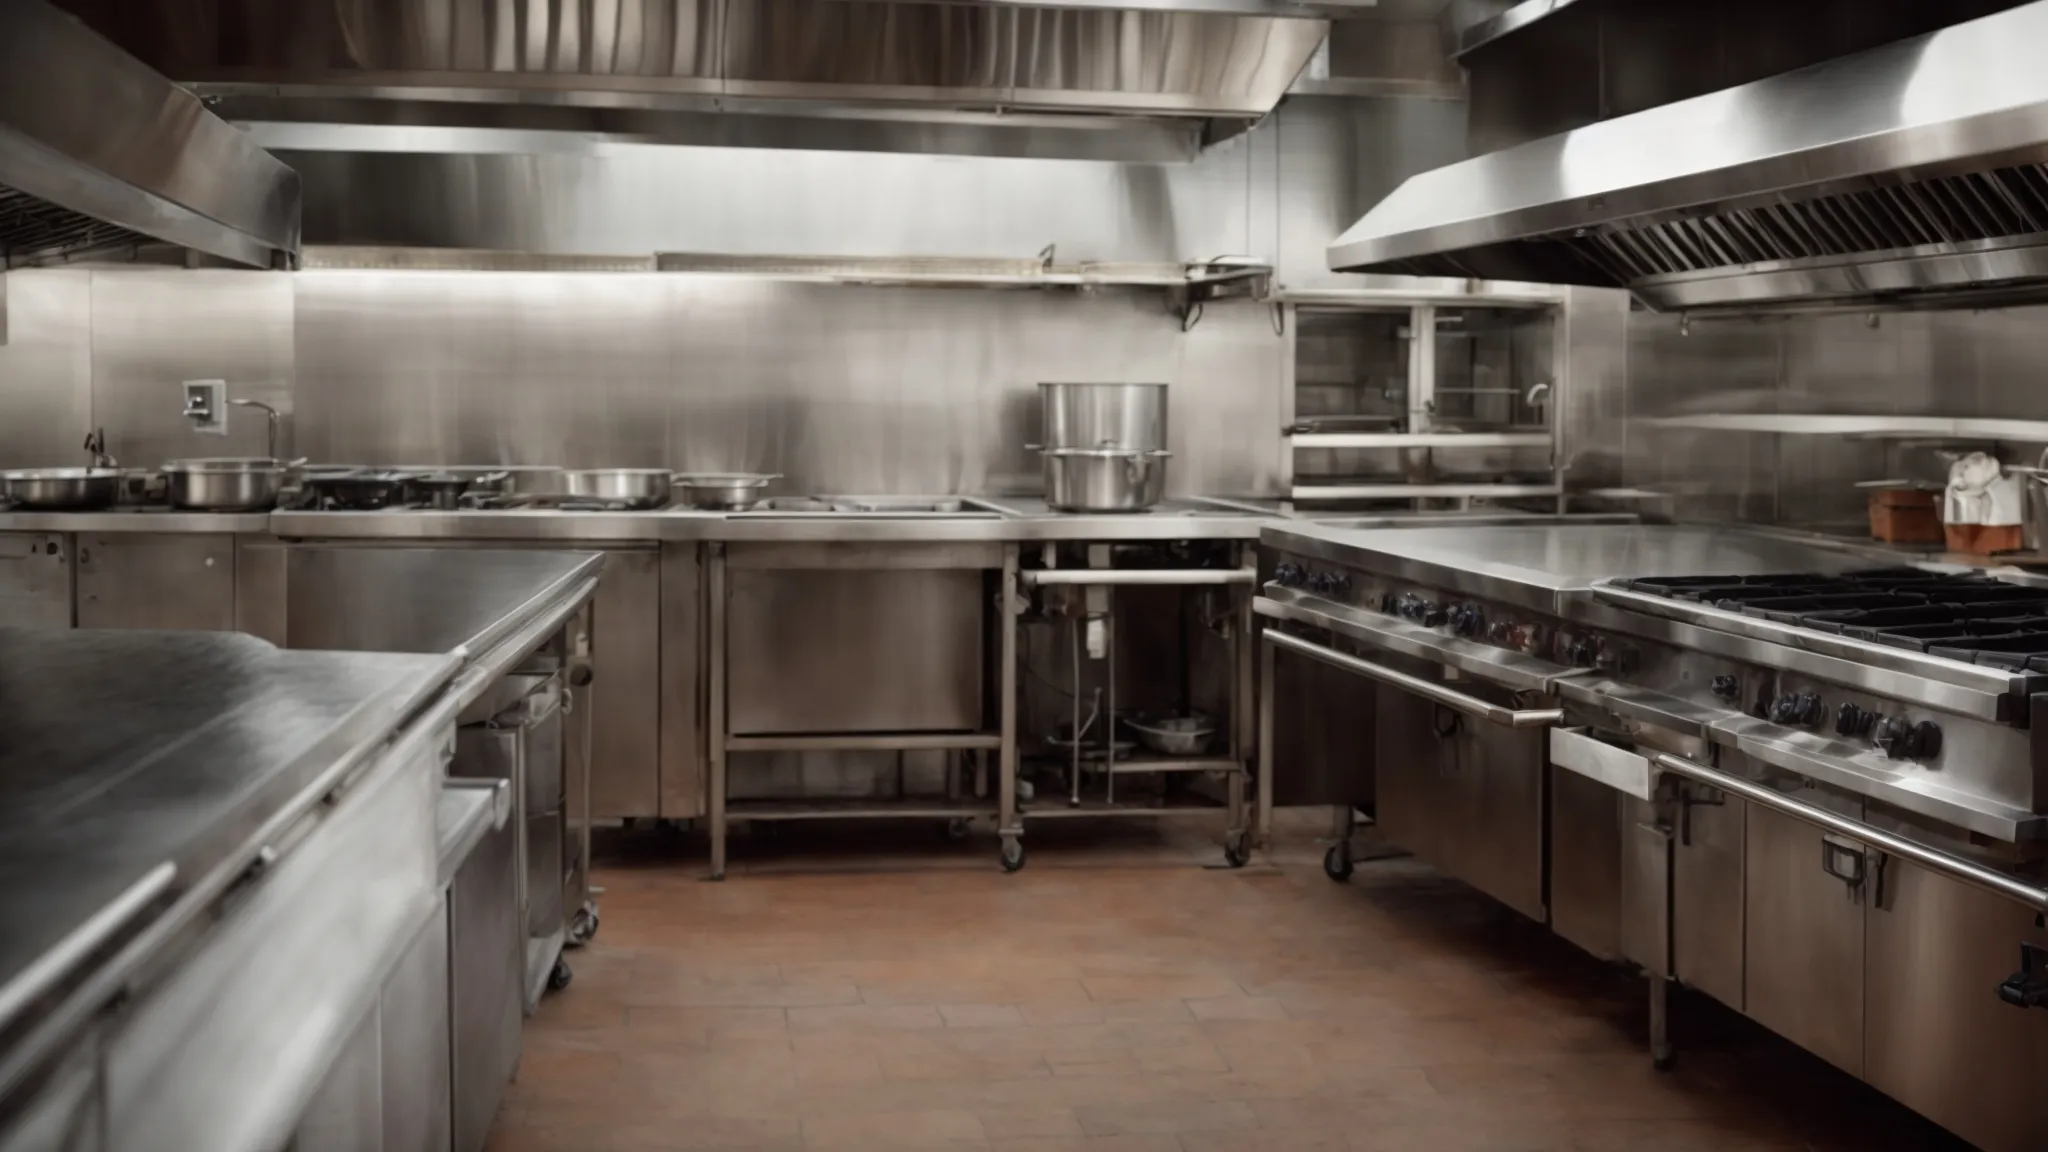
point(1330, 493)
point(1876, 427)
point(1541, 439)
point(1417, 291)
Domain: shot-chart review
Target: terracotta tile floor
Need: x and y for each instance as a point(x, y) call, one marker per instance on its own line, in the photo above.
point(843, 991)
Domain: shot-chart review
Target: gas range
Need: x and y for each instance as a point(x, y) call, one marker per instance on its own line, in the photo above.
point(1923, 688)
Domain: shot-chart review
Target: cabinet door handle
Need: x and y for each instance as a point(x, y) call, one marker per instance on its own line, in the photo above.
point(1427, 689)
point(1844, 859)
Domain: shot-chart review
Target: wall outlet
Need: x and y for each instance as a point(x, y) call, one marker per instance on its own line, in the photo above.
point(206, 405)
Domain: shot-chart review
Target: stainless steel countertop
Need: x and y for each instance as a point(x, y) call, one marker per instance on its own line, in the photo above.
point(140, 518)
point(129, 751)
point(1542, 566)
point(1020, 519)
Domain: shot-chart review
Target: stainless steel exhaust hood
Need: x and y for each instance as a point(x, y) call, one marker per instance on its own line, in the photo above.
point(862, 75)
point(1914, 174)
point(97, 152)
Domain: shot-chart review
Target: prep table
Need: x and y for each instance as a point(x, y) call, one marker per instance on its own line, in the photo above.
point(211, 973)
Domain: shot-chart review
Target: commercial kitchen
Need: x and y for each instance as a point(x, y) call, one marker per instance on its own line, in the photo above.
point(1104, 574)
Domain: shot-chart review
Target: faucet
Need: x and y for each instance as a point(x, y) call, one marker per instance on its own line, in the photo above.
point(270, 416)
point(96, 443)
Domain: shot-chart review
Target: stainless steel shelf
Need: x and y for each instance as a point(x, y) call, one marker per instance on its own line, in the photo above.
point(1816, 424)
point(1328, 492)
point(858, 809)
point(1437, 291)
point(868, 742)
point(1421, 439)
point(1146, 764)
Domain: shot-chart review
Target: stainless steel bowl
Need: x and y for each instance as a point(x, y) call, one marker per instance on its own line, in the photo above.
point(724, 491)
point(1103, 479)
point(1174, 735)
point(74, 489)
point(631, 487)
point(227, 483)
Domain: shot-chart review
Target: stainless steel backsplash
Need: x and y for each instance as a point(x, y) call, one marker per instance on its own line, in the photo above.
point(1978, 364)
point(859, 390)
point(869, 390)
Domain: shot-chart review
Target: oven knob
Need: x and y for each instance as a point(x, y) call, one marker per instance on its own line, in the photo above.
point(1726, 687)
point(1851, 720)
point(1800, 709)
point(1289, 575)
point(1318, 581)
point(1340, 584)
point(1902, 739)
point(1501, 632)
point(1468, 620)
point(1433, 615)
point(1581, 651)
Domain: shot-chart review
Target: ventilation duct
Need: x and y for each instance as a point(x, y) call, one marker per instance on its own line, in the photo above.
point(98, 152)
point(1908, 175)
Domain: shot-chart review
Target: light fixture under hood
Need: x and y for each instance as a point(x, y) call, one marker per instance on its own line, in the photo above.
point(97, 152)
point(1914, 174)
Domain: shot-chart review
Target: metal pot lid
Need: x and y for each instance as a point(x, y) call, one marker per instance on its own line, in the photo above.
point(1131, 452)
point(229, 464)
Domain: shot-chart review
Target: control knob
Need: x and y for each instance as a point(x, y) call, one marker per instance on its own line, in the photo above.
point(1329, 583)
point(1801, 709)
point(1433, 614)
point(1726, 687)
point(1289, 575)
point(1851, 720)
point(1902, 739)
point(1468, 620)
point(1581, 651)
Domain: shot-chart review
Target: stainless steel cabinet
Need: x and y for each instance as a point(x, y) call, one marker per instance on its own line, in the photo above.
point(626, 691)
point(1936, 1037)
point(1707, 868)
point(1322, 734)
point(819, 649)
point(1464, 794)
point(681, 704)
point(1803, 947)
point(156, 580)
point(487, 950)
point(1585, 862)
point(35, 580)
point(413, 1040)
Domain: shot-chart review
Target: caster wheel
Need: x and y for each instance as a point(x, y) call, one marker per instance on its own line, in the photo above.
point(559, 978)
point(1337, 863)
point(959, 828)
point(1664, 1061)
point(1237, 852)
point(1013, 854)
point(583, 926)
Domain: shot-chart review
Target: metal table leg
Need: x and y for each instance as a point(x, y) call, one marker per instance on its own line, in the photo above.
point(715, 799)
point(1662, 1055)
point(1238, 840)
point(1008, 824)
point(1265, 817)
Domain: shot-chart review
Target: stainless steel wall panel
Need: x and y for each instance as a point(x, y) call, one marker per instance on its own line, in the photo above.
point(868, 390)
point(46, 368)
point(868, 44)
point(153, 329)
